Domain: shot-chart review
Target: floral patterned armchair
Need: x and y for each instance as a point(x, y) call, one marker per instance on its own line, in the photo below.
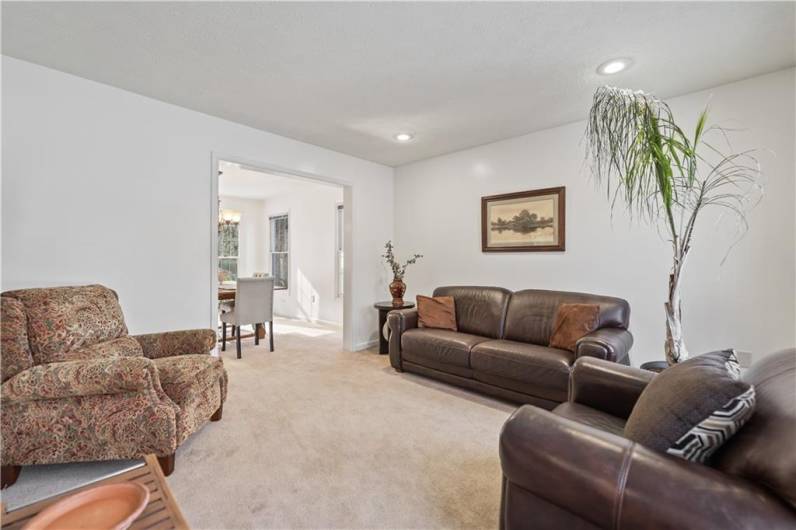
point(76, 387)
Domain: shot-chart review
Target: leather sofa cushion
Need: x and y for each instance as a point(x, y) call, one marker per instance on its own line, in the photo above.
point(527, 368)
point(479, 310)
point(591, 417)
point(15, 353)
point(438, 312)
point(440, 346)
point(531, 313)
point(763, 450)
point(62, 319)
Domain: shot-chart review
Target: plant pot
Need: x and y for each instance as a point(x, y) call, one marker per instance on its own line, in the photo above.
point(655, 366)
point(397, 290)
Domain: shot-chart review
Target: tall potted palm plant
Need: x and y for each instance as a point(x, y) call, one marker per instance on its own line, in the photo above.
point(667, 177)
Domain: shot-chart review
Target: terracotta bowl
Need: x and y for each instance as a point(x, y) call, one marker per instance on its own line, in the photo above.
point(110, 507)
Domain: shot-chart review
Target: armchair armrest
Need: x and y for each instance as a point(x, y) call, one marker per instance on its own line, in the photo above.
point(171, 343)
point(612, 344)
point(607, 386)
point(399, 321)
point(612, 482)
point(110, 375)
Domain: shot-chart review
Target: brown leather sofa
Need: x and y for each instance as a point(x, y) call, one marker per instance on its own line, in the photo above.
point(501, 346)
point(571, 468)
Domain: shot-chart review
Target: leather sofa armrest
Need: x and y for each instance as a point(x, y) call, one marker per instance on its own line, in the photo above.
point(615, 483)
point(399, 321)
point(607, 386)
point(611, 344)
point(171, 343)
point(112, 375)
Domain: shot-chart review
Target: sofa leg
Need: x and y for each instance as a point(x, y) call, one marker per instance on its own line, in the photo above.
point(9, 475)
point(217, 414)
point(167, 464)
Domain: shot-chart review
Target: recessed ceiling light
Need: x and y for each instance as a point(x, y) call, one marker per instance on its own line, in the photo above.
point(614, 66)
point(404, 137)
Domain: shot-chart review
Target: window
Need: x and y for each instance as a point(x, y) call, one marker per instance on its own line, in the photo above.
point(279, 251)
point(228, 251)
point(339, 261)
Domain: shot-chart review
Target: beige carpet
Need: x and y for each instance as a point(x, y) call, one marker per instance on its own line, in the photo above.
point(313, 437)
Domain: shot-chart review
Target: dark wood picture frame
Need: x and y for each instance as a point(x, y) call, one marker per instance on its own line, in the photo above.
point(560, 221)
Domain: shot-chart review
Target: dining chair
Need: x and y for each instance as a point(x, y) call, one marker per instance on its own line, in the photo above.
point(254, 304)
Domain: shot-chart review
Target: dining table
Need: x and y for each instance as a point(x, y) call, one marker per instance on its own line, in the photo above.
point(227, 294)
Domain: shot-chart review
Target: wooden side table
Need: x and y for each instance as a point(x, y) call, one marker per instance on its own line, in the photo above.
point(162, 512)
point(384, 308)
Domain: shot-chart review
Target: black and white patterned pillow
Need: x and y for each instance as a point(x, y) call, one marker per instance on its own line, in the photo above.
point(693, 408)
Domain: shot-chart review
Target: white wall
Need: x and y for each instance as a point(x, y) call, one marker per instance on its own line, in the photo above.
point(747, 303)
point(251, 234)
point(311, 292)
point(103, 185)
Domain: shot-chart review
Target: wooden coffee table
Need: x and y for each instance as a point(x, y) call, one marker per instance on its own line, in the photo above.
point(162, 512)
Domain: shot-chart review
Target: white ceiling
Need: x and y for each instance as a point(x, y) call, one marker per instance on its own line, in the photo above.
point(248, 183)
point(348, 76)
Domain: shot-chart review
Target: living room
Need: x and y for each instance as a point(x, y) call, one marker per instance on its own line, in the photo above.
point(536, 174)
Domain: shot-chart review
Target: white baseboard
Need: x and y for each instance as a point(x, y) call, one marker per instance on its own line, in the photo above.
point(365, 345)
point(311, 321)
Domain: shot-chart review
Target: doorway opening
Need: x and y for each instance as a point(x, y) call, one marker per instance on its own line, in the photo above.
point(285, 230)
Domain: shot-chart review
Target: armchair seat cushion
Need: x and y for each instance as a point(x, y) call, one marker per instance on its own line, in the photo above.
point(591, 417)
point(435, 347)
point(184, 374)
point(522, 367)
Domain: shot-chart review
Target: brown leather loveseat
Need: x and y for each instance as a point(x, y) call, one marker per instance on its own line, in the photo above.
point(501, 346)
point(573, 468)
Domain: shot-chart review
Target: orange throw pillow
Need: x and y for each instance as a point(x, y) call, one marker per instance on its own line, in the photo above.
point(438, 312)
point(573, 321)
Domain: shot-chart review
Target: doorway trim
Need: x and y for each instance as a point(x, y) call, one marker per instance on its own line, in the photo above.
point(348, 243)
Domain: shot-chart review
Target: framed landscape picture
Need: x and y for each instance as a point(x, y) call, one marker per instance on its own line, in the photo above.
point(525, 221)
